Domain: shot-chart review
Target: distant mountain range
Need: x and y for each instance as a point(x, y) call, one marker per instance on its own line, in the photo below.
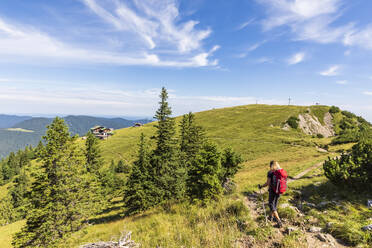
point(16, 132)
point(7, 121)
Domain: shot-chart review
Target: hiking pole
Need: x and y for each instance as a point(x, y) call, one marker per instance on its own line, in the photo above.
point(263, 206)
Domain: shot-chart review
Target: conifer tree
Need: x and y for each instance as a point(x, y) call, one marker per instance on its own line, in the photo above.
point(10, 167)
point(168, 174)
point(140, 188)
point(93, 154)
point(203, 182)
point(18, 192)
point(192, 137)
point(59, 196)
point(230, 164)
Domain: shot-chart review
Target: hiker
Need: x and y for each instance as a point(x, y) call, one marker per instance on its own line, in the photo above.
point(275, 189)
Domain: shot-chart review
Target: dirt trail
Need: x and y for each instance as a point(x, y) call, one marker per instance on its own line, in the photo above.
point(254, 202)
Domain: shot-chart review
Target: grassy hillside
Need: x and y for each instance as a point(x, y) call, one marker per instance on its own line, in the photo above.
point(254, 131)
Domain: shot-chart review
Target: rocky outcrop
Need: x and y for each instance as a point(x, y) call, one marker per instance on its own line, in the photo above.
point(310, 124)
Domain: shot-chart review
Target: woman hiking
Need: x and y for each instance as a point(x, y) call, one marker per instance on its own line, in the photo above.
point(276, 180)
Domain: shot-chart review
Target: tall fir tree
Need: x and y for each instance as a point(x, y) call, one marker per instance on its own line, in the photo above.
point(169, 176)
point(94, 163)
point(93, 154)
point(203, 182)
point(59, 199)
point(9, 168)
point(192, 137)
point(140, 189)
point(18, 192)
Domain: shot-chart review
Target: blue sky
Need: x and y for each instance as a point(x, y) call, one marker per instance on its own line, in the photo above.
point(111, 57)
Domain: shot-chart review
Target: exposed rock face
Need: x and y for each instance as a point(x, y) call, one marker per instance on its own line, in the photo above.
point(311, 125)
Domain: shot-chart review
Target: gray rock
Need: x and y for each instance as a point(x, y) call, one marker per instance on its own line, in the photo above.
point(323, 203)
point(329, 224)
point(290, 229)
point(124, 242)
point(325, 237)
point(315, 229)
point(309, 204)
point(367, 228)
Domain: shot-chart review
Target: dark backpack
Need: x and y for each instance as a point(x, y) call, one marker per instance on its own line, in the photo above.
point(280, 181)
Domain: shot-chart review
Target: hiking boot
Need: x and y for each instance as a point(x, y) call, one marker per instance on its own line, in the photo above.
point(280, 224)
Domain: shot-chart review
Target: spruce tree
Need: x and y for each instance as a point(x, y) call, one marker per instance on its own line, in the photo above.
point(59, 196)
point(191, 138)
point(95, 181)
point(10, 167)
point(169, 176)
point(93, 154)
point(140, 188)
point(18, 192)
point(230, 164)
point(203, 182)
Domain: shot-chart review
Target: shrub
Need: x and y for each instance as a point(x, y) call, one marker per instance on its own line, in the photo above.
point(293, 122)
point(352, 170)
point(348, 114)
point(334, 110)
point(319, 135)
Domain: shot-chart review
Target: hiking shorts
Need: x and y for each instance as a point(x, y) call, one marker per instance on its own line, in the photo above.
point(273, 200)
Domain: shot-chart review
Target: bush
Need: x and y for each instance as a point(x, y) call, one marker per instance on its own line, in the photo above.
point(319, 135)
point(334, 110)
point(348, 114)
point(293, 122)
point(352, 170)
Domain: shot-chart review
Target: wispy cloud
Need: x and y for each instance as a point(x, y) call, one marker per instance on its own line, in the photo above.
point(251, 48)
point(264, 60)
point(296, 58)
point(155, 22)
point(342, 82)
point(331, 71)
point(368, 93)
point(245, 24)
point(162, 40)
point(314, 20)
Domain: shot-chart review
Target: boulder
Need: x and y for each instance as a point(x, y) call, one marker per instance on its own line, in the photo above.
point(125, 241)
point(325, 237)
point(369, 203)
point(290, 229)
point(315, 229)
point(367, 228)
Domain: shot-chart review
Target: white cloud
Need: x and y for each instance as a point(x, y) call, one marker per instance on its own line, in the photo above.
point(342, 82)
point(245, 24)
point(156, 22)
point(314, 20)
point(264, 60)
point(251, 48)
point(362, 38)
point(296, 58)
point(179, 45)
point(98, 101)
point(331, 71)
point(368, 93)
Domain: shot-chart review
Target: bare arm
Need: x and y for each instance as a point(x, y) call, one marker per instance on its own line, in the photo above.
point(267, 182)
